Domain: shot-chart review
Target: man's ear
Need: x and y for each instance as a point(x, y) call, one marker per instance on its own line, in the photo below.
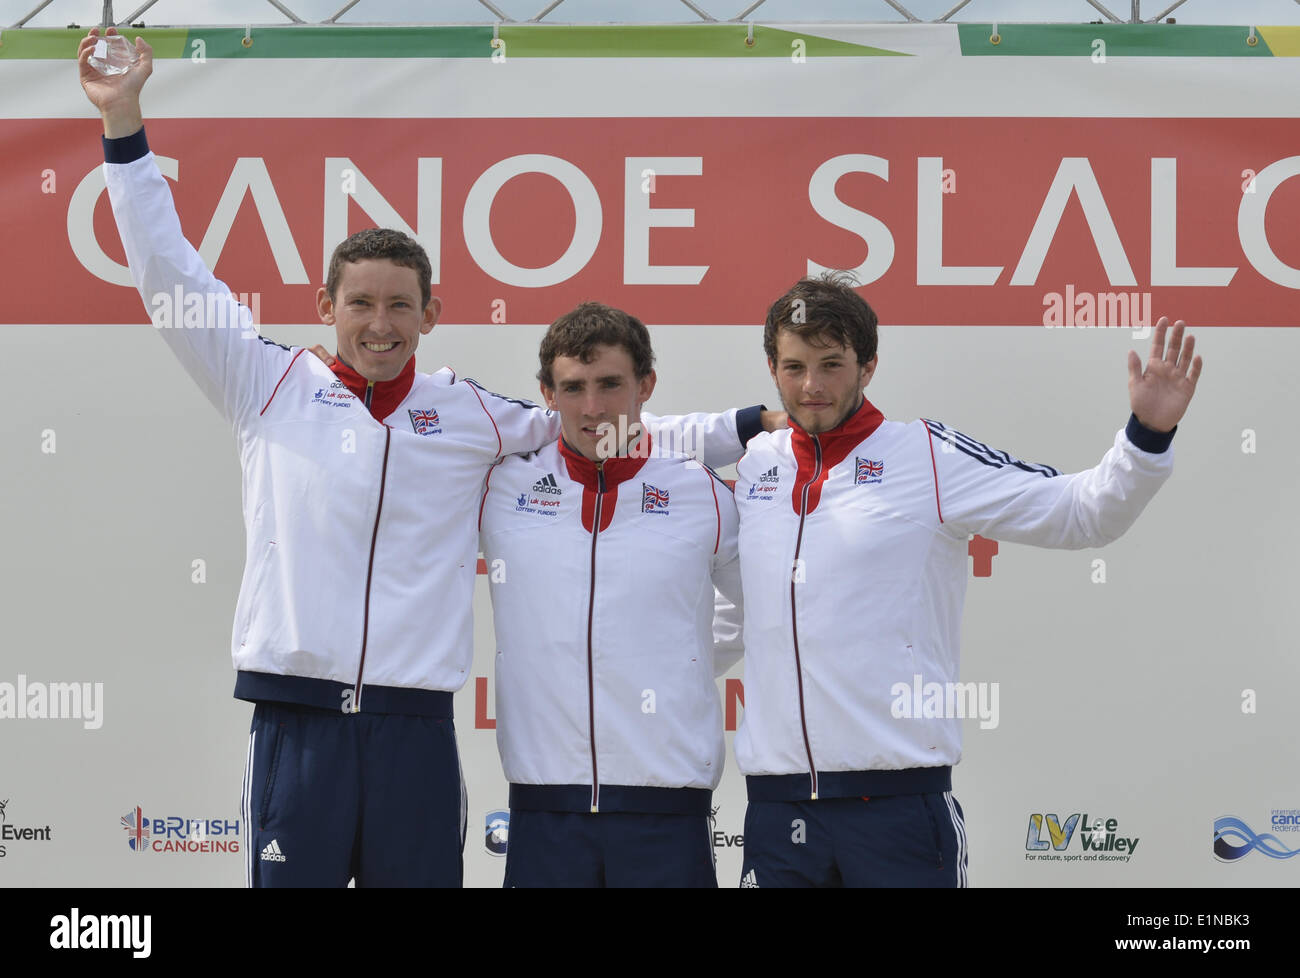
point(548, 395)
point(646, 387)
point(869, 369)
point(771, 366)
point(325, 306)
point(431, 313)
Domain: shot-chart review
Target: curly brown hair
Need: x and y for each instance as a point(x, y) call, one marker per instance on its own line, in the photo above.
point(385, 243)
point(577, 334)
point(825, 311)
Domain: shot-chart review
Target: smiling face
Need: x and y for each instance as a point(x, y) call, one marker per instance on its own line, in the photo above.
point(592, 397)
point(820, 384)
point(375, 310)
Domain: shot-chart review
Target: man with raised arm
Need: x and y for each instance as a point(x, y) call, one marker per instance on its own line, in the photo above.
point(361, 484)
point(853, 549)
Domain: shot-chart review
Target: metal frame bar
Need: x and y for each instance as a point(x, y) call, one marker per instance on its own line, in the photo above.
point(32, 13)
point(286, 11)
point(126, 21)
point(1104, 12)
point(1170, 9)
point(702, 14)
point(537, 19)
point(500, 16)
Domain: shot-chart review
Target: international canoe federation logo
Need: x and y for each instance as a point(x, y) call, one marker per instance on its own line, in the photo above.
point(1234, 839)
point(425, 422)
point(497, 834)
point(868, 470)
point(137, 828)
point(653, 500)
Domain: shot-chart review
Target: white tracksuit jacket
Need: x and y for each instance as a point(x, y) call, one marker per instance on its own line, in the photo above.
point(604, 609)
point(361, 530)
point(854, 558)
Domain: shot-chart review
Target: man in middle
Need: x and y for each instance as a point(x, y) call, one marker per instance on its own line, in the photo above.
point(608, 718)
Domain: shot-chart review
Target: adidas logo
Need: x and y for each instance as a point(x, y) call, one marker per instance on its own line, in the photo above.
point(749, 881)
point(770, 476)
point(547, 485)
point(273, 854)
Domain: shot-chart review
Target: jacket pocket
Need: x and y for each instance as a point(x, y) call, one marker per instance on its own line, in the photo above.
point(264, 810)
point(254, 598)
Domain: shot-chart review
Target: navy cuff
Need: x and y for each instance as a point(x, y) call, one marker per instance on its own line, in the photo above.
point(749, 422)
point(126, 149)
point(1146, 439)
point(849, 784)
point(328, 694)
point(642, 799)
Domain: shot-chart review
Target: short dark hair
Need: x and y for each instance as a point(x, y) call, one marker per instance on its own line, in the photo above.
point(382, 243)
point(825, 311)
point(577, 334)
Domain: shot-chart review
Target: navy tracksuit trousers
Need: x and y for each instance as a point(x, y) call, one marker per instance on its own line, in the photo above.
point(910, 840)
point(331, 797)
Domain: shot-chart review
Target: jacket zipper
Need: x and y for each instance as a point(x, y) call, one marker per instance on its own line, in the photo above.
point(591, 610)
point(370, 568)
point(794, 620)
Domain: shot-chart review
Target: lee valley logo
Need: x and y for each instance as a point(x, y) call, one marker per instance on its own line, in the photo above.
point(53, 701)
point(102, 932)
point(1100, 836)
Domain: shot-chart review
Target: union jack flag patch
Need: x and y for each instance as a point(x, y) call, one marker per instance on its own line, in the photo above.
point(425, 422)
point(868, 470)
point(653, 500)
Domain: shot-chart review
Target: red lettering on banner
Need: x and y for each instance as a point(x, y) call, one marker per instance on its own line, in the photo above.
point(1106, 207)
point(481, 719)
point(734, 693)
point(982, 550)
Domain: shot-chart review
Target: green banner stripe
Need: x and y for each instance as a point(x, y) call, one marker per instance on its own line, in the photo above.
point(346, 42)
point(54, 45)
point(676, 41)
point(539, 41)
point(665, 41)
point(1122, 40)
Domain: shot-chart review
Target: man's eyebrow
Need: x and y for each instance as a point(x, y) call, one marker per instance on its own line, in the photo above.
point(363, 294)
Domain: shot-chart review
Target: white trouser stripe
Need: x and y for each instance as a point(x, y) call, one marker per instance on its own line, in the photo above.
point(960, 828)
point(246, 809)
point(464, 794)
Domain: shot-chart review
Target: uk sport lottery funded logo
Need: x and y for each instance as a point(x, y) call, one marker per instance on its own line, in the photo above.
point(543, 498)
point(767, 485)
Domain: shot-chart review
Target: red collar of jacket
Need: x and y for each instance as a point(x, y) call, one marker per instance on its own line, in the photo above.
point(385, 395)
point(615, 470)
point(835, 446)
